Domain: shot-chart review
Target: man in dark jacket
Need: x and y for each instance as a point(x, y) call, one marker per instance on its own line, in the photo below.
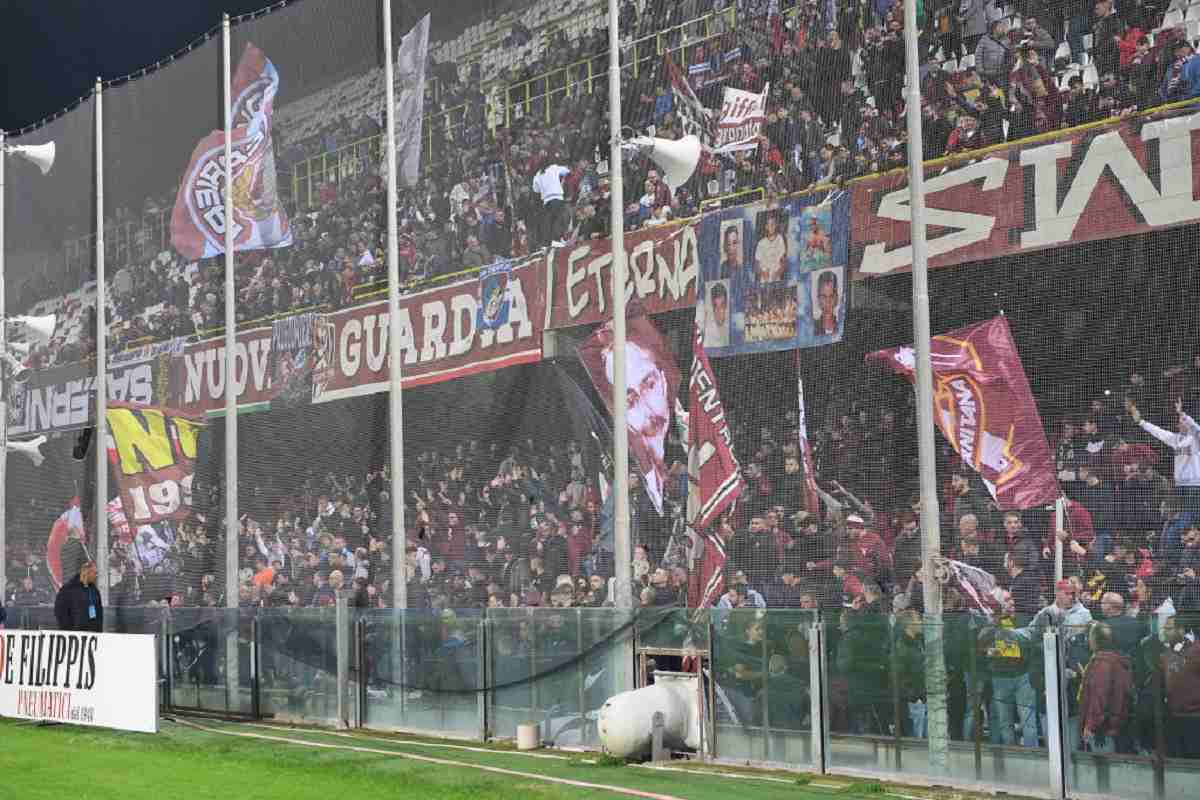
point(78, 606)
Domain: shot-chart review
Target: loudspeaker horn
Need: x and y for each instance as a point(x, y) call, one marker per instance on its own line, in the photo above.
point(30, 449)
point(40, 154)
point(40, 329)
point(16, 368)
point(677, 157)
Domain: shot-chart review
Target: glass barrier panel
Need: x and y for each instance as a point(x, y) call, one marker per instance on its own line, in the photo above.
point(209, 653)
point(761, 684)
point(424, 670)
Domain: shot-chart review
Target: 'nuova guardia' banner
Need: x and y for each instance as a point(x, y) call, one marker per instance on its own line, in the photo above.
point(100, 680)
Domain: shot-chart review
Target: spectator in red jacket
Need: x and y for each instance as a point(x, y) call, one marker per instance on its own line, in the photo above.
point(1077, 536)
point(1105, 693)
point(865, 551)
point(579, 547)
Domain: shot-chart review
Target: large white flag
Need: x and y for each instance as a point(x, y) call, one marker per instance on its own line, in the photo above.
point(410, 99)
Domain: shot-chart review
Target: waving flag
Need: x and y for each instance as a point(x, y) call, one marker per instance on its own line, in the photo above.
point(410, 100)
point(693, 116)
point(259, 221)
point(742, 117)
point(69, 524)
point(811, 502)
point(984, 407)
point(714, 477)
point(651, 380)
point(154, 451)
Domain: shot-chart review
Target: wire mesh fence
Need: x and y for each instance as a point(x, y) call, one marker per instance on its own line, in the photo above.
point(772, 425)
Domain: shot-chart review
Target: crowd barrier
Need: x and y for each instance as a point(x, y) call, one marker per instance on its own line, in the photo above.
point(1027, 709)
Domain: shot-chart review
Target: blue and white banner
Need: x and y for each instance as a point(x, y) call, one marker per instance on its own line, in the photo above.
point(494, 300)
point(774, 277)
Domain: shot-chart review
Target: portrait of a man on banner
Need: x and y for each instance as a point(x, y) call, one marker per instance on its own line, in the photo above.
point(652, 382)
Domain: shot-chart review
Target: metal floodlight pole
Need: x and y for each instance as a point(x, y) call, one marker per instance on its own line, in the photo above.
point(395, 388)
point(3, 391)
point(231, 437)
point(100, 436)
point(935, 667)
point(622, 545)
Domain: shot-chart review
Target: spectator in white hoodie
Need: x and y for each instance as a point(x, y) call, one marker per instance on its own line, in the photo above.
point(1186, 444)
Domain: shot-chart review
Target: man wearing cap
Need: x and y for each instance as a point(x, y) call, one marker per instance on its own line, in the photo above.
point(78, 606)
point(865, 551)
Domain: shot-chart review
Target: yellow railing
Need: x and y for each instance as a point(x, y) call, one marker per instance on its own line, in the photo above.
point(348, 161)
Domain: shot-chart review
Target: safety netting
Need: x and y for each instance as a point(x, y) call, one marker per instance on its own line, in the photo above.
point(771, 418)
point(163, 135)
point(50, 358)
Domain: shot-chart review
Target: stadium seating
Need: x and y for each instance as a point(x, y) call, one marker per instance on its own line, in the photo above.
point(490, 100)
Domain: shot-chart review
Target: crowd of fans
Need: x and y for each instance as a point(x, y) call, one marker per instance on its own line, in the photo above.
point(521, 166)
point(526, 526)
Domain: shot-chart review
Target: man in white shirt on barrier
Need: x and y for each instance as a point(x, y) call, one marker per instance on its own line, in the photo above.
point(552, 226)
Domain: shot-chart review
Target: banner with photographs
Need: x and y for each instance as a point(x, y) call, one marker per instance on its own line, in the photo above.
point(774, 277)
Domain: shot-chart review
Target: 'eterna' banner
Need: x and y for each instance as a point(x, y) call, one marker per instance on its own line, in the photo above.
point(102, 680)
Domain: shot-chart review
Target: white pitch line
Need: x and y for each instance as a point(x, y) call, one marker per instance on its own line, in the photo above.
point(406, 742)
point(719, 774)
point(440, 761)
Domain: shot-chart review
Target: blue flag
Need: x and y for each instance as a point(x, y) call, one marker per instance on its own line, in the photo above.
point(494, 299)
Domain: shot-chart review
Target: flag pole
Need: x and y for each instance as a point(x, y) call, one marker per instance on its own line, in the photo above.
point(622, 544)
point(232, 529)
point(100, 434)
point(3, 392)
point(935, 665)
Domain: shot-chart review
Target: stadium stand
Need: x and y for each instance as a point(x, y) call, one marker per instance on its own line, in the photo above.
point(501, 105)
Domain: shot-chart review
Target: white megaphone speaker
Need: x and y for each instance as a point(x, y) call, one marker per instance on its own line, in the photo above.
point(40, 154)
point(16, 368)
point(32, 449)
point(38, 329)
point(678, 158)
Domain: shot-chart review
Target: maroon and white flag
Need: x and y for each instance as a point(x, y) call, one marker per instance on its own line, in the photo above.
point(714, 476)
point(812, 503)
point(259, 220)
point(984, 407)
point(651, 380)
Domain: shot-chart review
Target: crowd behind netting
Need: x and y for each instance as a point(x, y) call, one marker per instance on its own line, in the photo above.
point(513, 169)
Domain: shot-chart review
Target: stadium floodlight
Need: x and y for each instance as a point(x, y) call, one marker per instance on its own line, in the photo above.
point(40, 154)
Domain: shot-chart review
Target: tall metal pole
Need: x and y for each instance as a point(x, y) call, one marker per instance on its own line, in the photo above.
point(231, 436)
point(935, 665)
point(100, 437)
point(3, 392)
point(622, 545)
point(395, 395)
